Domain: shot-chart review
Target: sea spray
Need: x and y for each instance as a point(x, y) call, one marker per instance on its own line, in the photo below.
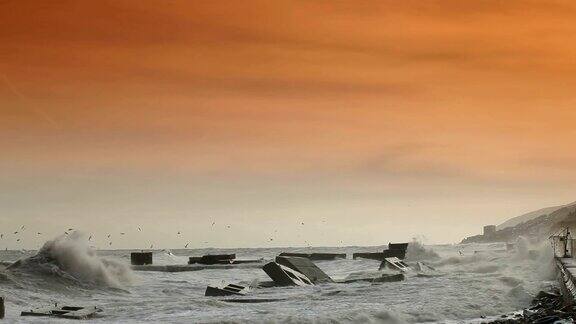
point(71, 257)
point(417, 252)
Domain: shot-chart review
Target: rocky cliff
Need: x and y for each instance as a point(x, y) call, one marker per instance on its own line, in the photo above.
point(537, 228)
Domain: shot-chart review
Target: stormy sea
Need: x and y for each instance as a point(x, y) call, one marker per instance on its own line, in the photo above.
point(470, 283)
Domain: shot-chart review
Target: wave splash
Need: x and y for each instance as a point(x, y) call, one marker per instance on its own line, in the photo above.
point(70, 257)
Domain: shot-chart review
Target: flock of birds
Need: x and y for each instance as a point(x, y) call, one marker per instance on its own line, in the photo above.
point(109, 236)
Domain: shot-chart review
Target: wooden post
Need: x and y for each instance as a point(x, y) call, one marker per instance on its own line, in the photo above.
point(2, 307)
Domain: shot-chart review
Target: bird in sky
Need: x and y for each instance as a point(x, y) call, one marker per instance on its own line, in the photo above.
point(17, 240)
point(38, 233)
point(186, 246)
point(213, 223)
point(16, 232)
point(228, 226)
point(108, 235)
point(122, 233)
point(1, 236)
point(90, 238)
point(66, 233)
point(178, 232)
point(110, 243)
point(302, 223)
point(22, 227)
point(70, 229)
point(139, 229)
point(271, 239)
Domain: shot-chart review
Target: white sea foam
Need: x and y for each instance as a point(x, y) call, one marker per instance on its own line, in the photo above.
point(71, 256)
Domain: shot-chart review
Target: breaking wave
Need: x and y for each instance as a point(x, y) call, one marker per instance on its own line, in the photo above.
point(417, 252)
point(70, 257)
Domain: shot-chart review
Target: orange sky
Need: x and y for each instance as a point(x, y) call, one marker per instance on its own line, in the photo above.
point(407, 116)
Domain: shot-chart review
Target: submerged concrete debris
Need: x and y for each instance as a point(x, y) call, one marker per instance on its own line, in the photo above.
point(213, 259)
point(378, 279)
point(397, 250)
point(140, 258)
point(210, 259)
point(394, 264)
point(306, 267)
point(316, 256)
point(71, 312)
point(226, 290)
point(285, 276)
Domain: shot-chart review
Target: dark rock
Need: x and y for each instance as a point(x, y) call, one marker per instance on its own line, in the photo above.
point(140, 258)
point(305, 267)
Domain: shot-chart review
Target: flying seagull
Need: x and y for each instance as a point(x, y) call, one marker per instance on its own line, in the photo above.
point(186, 246)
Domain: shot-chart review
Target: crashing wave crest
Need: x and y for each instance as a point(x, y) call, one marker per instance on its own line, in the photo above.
point(70, 257)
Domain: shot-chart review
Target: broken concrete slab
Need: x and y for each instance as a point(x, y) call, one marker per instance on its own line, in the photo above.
point(285, 276)
point(306, 267)
point(226, 290)
point(378, 256)
point(398, 246)
point(395, 250)
point(140, 258)
point(394, 263)
point(71, 312)
point(375, 279)
point(194, 267)
point(212, 259)
point(316, 256)
point(253, 300)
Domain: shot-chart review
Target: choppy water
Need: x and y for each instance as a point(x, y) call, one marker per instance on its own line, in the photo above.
point(475, 285)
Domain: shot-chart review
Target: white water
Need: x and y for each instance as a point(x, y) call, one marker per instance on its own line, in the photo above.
point(481, 284)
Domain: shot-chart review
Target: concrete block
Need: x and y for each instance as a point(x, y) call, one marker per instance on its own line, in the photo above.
point(305, 267)
point(285, 276)
point(141, 258)
point(226, 290)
